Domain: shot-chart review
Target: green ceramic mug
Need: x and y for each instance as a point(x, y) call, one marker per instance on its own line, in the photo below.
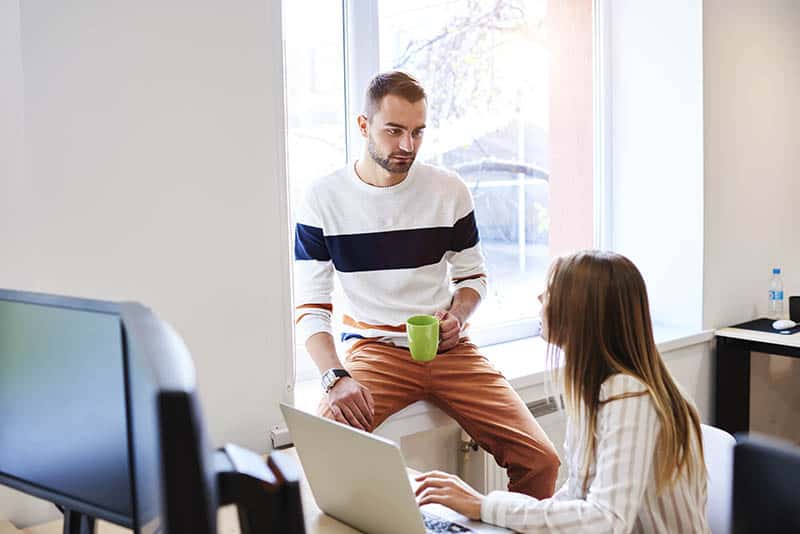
point(423, 337)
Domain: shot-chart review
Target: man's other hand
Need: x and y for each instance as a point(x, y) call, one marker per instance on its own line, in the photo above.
point(351, 404)
point(449, 330)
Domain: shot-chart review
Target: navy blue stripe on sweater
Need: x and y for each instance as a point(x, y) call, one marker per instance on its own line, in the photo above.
point(465, 233)
point(377, 251)
point(309, 243)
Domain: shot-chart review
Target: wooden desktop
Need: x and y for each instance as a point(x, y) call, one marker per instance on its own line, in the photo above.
point(316, 521)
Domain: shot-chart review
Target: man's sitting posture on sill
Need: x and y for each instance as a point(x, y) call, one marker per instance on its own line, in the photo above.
point(389, 227)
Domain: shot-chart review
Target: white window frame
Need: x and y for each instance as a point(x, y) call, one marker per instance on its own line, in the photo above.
point(601, 109)
point(361, 62)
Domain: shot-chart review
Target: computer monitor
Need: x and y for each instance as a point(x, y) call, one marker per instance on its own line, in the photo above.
point(172, 450)
point(64, 429)
point(195, 479)
point(99, 415)
point(765, 486)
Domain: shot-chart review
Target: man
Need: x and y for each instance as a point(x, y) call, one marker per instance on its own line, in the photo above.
point(390, 227)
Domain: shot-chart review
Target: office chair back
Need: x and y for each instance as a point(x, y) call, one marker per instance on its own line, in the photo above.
point(718, 454)
point(766, 494)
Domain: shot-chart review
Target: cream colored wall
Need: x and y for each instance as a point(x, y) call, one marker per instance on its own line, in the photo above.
point(154, 170)
point(692, 369)
point(11, 110)
point(752, 181)
point(752, 154)
point(14, 506)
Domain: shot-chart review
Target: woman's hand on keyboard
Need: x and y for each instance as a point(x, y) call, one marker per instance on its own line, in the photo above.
point(449, 490)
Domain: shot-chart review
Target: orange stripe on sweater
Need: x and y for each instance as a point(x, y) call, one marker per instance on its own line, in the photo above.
point(328, 307)
point(349, 321)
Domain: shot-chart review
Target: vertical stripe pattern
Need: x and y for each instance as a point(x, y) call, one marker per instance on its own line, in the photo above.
point(621, 495)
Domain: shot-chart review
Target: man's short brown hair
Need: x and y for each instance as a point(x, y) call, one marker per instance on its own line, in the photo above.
point(394, 82)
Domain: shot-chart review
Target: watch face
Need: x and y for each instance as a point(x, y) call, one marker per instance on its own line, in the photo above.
point(328, 379)
point(331, 376)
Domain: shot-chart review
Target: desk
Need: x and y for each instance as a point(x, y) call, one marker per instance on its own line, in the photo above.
point(732, 382)
point(316, 521)
point(7, 528)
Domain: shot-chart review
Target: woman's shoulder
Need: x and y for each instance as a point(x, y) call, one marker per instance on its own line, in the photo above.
point(621, 384)
point(625, 400)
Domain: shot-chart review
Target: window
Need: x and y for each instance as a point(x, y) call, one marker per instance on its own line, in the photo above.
point(488, 121)
point(489, 67)
point(315, 92)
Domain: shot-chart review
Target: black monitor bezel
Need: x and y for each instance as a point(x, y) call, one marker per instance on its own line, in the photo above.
point(49, 494)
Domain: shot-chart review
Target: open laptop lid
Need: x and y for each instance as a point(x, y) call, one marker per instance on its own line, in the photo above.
point(358, 478)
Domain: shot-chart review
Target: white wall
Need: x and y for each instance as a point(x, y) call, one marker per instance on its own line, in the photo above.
point(155, 171)
point(655, 101)
point(752, 154)
point(692, 369)
point(13, 505)
point(11, 106)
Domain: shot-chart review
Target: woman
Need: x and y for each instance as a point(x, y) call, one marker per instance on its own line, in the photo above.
point(633, 446)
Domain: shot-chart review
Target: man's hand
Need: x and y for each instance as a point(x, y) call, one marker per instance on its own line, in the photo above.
point(451, 491)
point(449, 330)
point(351, 404)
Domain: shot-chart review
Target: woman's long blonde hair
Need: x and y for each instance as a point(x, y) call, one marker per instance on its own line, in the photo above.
point(598, 314)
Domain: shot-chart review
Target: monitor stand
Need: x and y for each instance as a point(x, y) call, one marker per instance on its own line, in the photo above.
point(77, 523)
point(267, 495)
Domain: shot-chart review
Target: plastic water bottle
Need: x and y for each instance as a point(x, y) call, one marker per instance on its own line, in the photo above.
point(776, 295)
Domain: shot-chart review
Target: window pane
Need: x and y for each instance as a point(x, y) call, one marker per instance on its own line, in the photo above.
point(315, 107)
point(314, 91)
point(489, 116)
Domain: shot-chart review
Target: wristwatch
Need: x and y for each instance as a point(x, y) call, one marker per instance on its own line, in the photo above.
point(331, 376)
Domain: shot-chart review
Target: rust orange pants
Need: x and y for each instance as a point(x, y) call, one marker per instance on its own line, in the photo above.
point(470, 390)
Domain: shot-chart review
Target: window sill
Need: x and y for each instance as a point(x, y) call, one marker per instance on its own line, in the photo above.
point(522, 362)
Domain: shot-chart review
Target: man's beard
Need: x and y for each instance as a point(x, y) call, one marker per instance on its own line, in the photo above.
point(394, 167)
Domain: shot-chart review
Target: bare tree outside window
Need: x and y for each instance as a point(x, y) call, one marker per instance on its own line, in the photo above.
point(485, 64)
point(457, 62)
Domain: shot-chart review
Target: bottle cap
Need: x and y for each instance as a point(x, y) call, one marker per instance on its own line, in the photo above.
point(776, 271)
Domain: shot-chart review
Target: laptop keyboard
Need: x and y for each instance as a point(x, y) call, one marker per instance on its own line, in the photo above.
point(435, 525)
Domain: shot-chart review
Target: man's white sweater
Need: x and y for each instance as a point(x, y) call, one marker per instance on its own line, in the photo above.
point(398, 251)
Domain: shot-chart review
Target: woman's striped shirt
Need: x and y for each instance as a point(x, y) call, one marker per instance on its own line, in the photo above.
point(621, 495)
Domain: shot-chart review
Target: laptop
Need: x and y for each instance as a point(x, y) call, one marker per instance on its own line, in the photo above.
point(362, 480)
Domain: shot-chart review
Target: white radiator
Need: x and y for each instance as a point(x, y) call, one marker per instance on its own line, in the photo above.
point(478, 467)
